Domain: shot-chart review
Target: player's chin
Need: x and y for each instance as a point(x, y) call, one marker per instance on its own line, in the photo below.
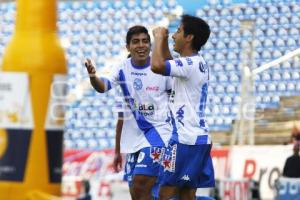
point(142, 57)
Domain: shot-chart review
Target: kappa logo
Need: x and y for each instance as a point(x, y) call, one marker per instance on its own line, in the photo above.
point(180, 115)
point(185, 178)
point(138, 74)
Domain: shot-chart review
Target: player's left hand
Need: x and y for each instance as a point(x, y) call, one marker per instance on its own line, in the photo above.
point(117, 163)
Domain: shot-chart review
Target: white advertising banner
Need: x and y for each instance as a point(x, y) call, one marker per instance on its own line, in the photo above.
point(15, 102)
point(261, 163)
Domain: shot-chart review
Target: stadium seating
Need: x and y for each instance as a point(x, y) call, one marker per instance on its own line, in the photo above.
point(97, 29)
point(276, 24)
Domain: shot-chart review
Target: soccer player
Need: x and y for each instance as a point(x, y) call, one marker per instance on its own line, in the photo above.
point(144, 131)
point(187, 163)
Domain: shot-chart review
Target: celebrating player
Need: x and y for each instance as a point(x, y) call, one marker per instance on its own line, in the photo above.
point(144, 131)
point(187, 164)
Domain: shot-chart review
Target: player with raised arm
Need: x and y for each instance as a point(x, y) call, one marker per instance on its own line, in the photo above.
point(187, 163)
point(144, 131)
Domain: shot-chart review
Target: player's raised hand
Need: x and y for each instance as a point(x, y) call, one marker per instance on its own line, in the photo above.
point(90, 67)
point(160, 32)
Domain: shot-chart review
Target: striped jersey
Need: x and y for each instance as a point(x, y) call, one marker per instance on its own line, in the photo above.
point(145, 105)
point(188, 99)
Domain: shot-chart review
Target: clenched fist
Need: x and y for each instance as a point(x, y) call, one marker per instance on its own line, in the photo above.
point(160, 32)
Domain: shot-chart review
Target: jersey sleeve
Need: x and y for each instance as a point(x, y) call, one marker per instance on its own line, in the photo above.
point(110, 77)
point(180, 67)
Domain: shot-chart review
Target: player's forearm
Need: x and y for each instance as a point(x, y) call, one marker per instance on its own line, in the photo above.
point(118, 135)
point(158, 60)
point(166, 51)
point(97, 84)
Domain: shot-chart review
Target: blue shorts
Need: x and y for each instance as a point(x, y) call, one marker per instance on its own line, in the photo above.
point(144, 162)
point(187, 166)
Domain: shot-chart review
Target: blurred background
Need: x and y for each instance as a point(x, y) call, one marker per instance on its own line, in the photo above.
point(253, 107)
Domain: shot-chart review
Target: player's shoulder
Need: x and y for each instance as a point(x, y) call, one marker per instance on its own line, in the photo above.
point(189, 60)
point(121, 64)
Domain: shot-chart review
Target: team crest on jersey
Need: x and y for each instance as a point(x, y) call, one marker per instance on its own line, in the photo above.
point(156, 154)
point(137, 84)
point(169, 159)
point(202, 67)
point(178, 63)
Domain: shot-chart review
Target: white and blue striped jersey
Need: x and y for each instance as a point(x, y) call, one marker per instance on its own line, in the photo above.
point(146, 105)
point(188, 99)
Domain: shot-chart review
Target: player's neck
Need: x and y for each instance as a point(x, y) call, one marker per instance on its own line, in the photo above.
point(140, 63)
point(188, 52)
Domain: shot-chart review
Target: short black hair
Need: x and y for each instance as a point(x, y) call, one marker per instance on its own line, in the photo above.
point(136, 30)
point(196, 27)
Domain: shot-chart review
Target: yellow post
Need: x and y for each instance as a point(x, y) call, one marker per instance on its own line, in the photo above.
point(36, 50)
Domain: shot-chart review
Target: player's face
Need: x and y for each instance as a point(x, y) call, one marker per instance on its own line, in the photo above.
point(139, 48)
point(179, 39)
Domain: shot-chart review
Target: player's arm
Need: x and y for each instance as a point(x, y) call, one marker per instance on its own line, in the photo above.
point(161, 51)
point(118, 157)
point(98, 84)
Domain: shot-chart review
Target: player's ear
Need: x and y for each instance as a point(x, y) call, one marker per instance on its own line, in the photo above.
point(190, 37)
point(127, 47)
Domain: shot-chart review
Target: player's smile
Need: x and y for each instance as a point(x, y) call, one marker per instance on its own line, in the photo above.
point(139, 48)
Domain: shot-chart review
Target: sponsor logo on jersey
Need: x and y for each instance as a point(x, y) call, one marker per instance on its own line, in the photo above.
point(137, 84)
point(152, 88)
point(138, 74)
point(141, 165)
point(144, 109)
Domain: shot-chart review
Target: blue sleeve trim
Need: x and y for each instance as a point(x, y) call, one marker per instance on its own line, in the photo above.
point(168, 68)
point(106, 82)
